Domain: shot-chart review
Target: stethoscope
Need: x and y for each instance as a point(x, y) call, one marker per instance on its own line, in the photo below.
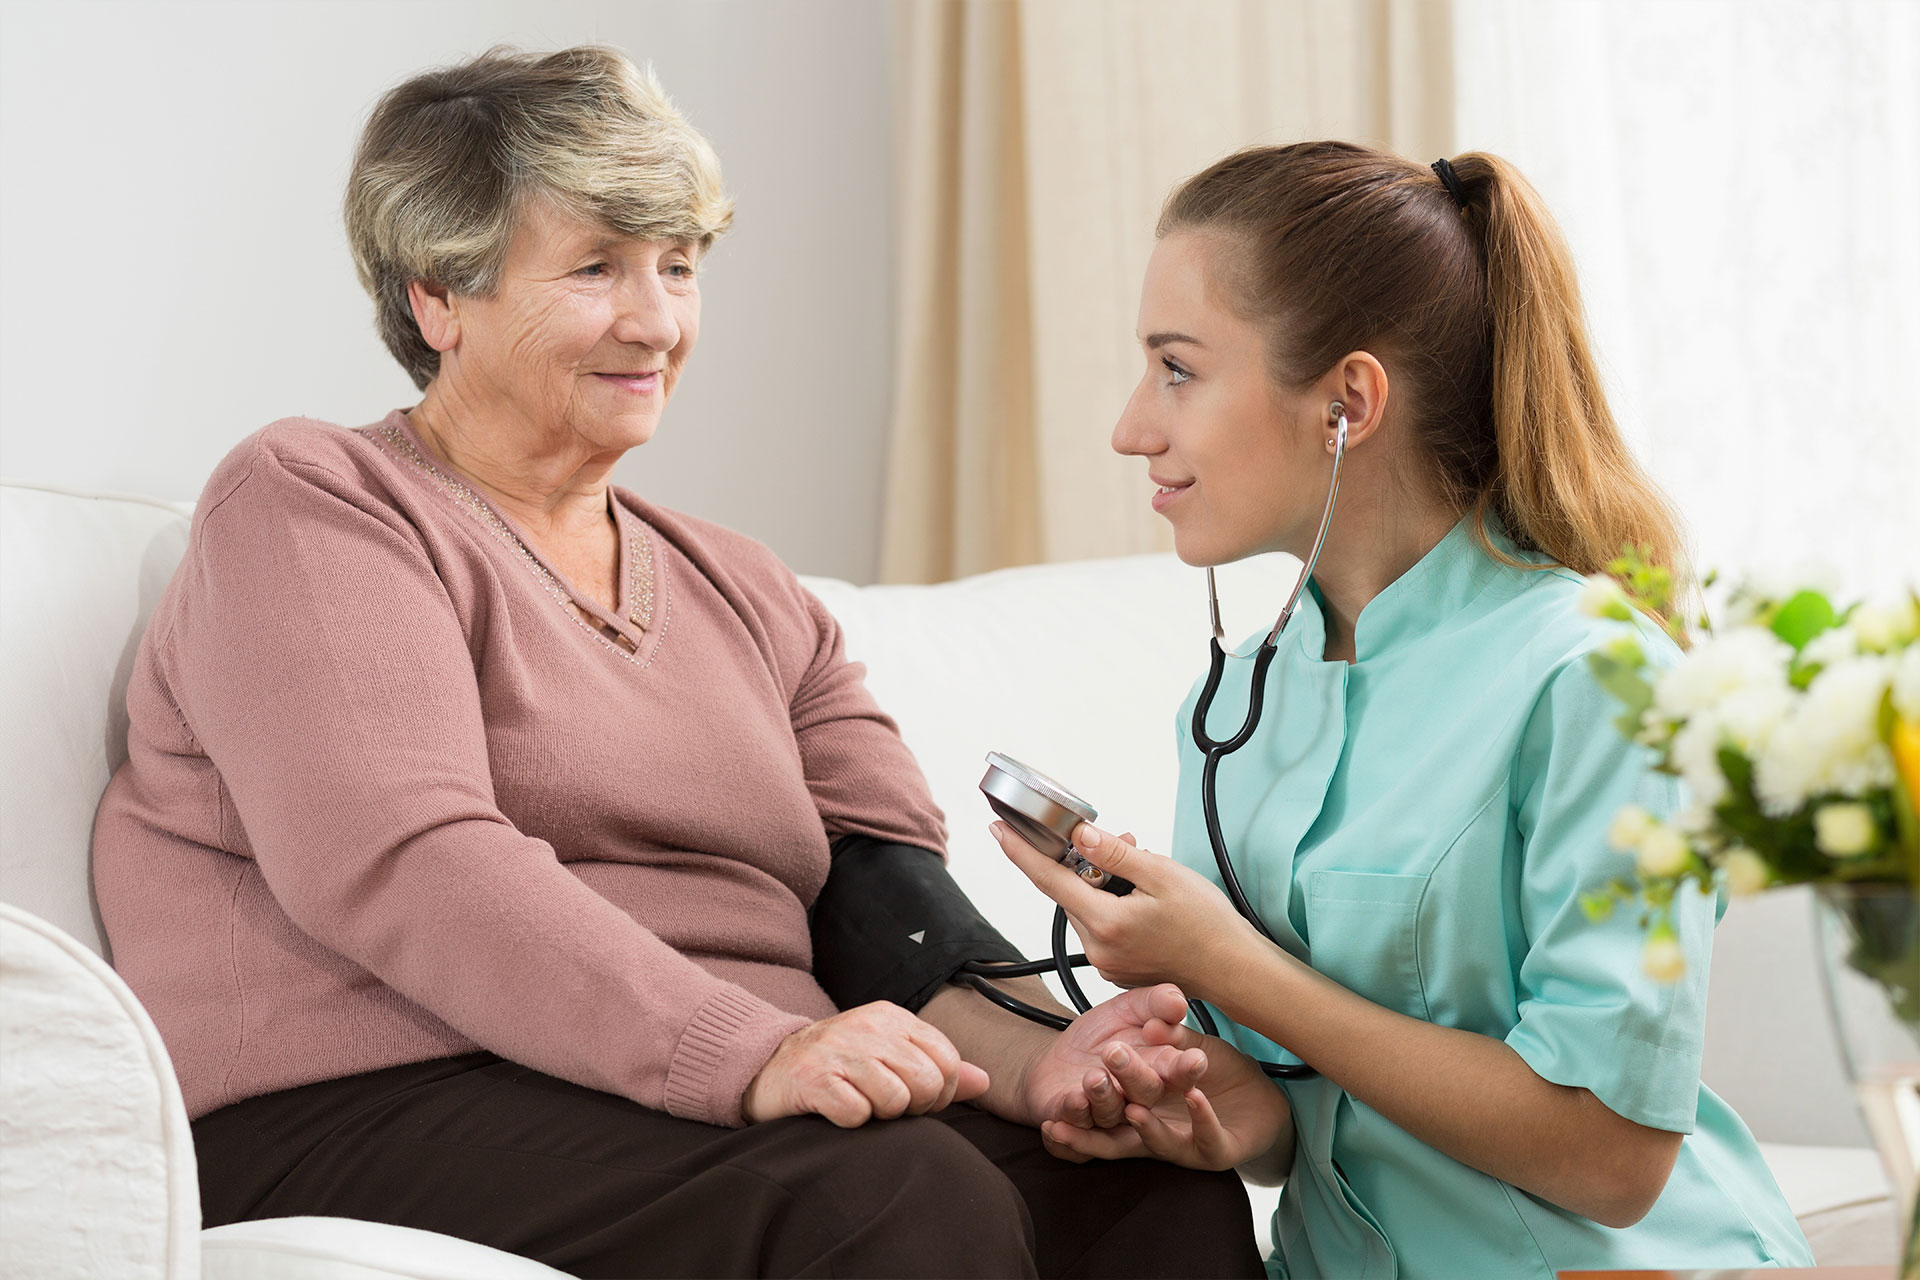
point(1038, 807)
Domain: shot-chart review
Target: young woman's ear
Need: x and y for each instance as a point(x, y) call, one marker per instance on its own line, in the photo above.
point(1359, 384)
point(434, 311)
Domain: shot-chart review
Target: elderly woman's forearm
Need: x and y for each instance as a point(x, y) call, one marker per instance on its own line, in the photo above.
point(1003, 1044)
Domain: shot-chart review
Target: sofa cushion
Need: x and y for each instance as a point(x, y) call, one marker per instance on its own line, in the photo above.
point(349, 1249)
point(81, 574)
point(1841, 1197)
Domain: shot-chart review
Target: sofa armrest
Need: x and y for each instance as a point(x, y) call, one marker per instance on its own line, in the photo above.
point(97, 1170)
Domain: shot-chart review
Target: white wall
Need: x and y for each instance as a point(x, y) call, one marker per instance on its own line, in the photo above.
point(1738, 180)
point(173, 272)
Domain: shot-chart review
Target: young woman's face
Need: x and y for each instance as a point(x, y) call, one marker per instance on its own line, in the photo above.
point(1239, 466)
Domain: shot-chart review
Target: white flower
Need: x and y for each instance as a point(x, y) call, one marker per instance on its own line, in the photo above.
point(1750, 717)
point(1836, 644)
point(1884, 628)
point(1628, 828)
point(1696, 822)
point(1747, 873)
point(1663, 959)
point(1844, 830)
point(1876, 629)
point(1746, 719)
point(1830, 742)
point(1705, 677)
point(1603, 598)
point(1906, 685)
point(1696, 754)
point(1663, 851)
point(1656, 729)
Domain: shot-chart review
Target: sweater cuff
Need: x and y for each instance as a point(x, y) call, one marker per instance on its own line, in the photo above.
point(728, 1040)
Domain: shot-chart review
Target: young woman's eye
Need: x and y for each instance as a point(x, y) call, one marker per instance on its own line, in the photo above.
point(1177, 374)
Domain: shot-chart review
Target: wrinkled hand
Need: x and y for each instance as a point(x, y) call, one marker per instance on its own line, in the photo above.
point(1176, 926)
point(1238, 1116)
point(874, 1062)
point(1067, 1081)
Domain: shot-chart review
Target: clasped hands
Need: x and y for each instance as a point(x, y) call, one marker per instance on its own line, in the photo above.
point(1174, 934)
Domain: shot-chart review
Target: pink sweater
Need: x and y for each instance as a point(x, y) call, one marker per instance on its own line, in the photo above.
point(388, 799)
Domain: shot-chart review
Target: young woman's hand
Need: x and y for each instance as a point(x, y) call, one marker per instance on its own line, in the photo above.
point(1067, 1081)
point(1239, 1116)
point(874, 1062)
point(1176, 926)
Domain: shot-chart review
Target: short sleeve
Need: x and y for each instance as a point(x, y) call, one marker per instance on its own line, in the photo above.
point(1589, 1016)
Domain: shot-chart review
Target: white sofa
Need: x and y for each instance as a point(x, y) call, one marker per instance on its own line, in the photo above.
point(1076, 669)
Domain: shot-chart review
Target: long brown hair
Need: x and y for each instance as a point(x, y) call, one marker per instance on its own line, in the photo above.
point(1473, 307)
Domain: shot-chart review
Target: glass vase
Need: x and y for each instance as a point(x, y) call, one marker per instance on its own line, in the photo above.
point(1870, 952)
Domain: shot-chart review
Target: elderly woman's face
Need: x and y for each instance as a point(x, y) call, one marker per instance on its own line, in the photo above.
point(587, 333)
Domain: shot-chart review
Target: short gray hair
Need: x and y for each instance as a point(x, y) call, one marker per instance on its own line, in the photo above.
point(450, 158)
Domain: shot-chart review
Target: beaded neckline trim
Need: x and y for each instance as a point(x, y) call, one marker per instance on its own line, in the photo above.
point(640, 571)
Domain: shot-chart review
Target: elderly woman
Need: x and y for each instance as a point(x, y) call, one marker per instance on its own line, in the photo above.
point(475, 807)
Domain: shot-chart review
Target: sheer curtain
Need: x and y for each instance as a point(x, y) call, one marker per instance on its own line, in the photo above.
point(1740, 180)
point(1038, 138)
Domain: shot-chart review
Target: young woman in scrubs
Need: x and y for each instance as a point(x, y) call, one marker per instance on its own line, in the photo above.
point(1501, 1089)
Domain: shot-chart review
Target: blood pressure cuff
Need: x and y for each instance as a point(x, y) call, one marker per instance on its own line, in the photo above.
point(891, 924)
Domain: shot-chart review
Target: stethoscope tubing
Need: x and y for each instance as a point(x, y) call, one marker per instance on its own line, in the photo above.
point(1216, 751)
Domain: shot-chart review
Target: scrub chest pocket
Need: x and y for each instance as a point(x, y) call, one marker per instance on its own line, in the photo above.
point(1361, 932)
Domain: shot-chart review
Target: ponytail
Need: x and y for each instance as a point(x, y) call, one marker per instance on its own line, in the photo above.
point(1459, 280)
point(1565, 483)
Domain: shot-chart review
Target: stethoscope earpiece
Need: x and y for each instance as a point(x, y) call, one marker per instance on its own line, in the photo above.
point(1338, 445)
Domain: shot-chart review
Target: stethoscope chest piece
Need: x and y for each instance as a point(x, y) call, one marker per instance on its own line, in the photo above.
point(1045, 814)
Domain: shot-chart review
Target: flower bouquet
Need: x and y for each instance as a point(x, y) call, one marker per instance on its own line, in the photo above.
point(1795, 728)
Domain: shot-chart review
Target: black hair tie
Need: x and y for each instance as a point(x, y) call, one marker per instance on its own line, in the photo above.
point(1451, 181)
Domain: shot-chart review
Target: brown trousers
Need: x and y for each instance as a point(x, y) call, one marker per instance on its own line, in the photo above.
point(596, 1185)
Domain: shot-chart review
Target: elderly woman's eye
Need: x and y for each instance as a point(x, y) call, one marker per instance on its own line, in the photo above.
point(1179, 375)
point(680, 270)
point(594, 269)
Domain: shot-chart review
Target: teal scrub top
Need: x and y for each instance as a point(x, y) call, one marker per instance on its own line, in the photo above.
point(1419, 825)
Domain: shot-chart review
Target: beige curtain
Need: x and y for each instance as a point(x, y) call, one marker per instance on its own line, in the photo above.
point(1036, 140)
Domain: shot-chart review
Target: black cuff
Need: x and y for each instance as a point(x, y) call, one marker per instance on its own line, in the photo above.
point(891, 924)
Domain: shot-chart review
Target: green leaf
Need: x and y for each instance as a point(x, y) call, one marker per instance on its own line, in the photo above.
point(1737, 769)
point(1624, 682)
point(1802, 618)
